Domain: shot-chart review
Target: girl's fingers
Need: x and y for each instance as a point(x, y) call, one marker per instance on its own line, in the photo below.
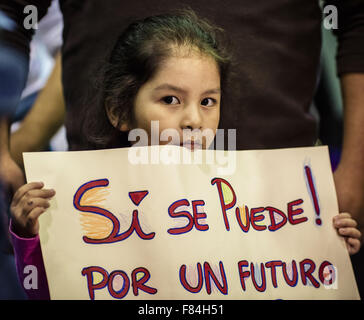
point(24, 189)
point(41, 193)
point(34, 215)
point(341, 216)
point(346, 226)
point(345, 222)
point(350, 232)
point(30, 204)
point(353, 245)
point(32, 198)
point(344, 215)
point(28, 227)
point(32, 225)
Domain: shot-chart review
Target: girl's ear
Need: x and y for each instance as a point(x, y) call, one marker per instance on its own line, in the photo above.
point(124, 126)
point(114, 118)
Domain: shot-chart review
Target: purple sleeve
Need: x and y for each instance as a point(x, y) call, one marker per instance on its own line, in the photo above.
point(27, 252)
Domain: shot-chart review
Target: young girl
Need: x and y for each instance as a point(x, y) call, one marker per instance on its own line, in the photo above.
point(169, 68)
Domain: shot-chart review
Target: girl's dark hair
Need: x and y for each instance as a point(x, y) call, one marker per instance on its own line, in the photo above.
point(135, 58)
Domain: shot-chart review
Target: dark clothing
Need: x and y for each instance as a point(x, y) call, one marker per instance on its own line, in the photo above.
point(277, 46)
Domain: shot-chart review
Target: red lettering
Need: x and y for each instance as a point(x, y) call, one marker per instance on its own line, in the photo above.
point(291, 282)
point(224, 206)
point(254, 217)
point(307, 274)
point(293, 212)
point(331, 270)
point(192, 219)
point(184, 282)
point(186, 214)
point(135, 226)
point(263, 286)
point(113, 236)
point(243, 227)
point(209, 274)
point(77, 200)
point(273, 265)
point(109, 280)
point(326, 273)
point(199, 215)
point(275, 226)
point(126, 284)
point(223, 288)
point(140, 284)
point(243, 274)
point(88, 272)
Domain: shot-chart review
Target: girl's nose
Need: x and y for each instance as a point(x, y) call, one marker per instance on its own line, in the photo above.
point(192, 117)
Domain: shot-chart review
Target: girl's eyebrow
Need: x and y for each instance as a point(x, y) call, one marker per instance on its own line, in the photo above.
point(167, 86)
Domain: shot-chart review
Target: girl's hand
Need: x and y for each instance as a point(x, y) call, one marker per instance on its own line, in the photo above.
point(346, 227)
point(29, 202)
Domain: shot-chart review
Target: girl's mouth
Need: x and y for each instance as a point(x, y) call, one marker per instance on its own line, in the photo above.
point(192, 145)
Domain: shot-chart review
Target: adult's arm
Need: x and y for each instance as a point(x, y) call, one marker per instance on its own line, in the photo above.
point(18, 39)
point(349, 176)
point(46, 115)
point(11, 176)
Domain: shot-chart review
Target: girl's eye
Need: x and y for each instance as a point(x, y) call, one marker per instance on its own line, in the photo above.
point(208, 102)
point(170, 100)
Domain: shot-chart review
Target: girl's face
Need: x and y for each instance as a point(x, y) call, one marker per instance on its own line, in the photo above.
point(183, 94)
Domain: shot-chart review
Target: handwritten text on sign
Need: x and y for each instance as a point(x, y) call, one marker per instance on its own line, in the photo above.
point(187, 232)
point(250, 218)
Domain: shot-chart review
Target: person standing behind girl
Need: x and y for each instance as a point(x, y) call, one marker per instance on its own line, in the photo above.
point(170, 68)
